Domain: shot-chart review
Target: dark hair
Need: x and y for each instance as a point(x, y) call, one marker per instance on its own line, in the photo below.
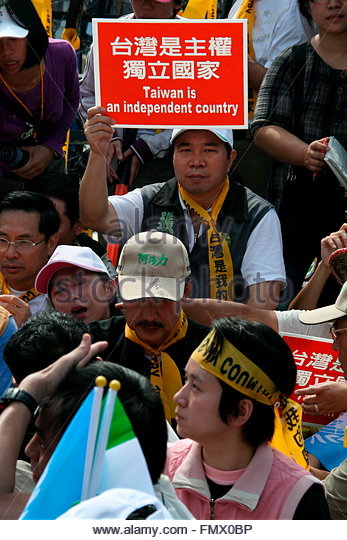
point(26, 201)
point(24, 13)
point(304, 6)
point(60, 186)
point(266, 349)
point(40, 341)
point(141, 402)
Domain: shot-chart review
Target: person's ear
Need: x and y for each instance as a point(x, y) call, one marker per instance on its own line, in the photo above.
point(110, 288)
point(245, 409)
point(52, 243)
point(232, 156)
point(187, 289)
point(78, 227)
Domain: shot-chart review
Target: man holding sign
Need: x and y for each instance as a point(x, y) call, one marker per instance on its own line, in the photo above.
point(232, 235)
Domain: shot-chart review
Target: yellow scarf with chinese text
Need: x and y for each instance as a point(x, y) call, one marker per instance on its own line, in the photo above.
point(219, 256)
point(239, 372)
point(165, 376)
point(246, 11)
point(27, 296)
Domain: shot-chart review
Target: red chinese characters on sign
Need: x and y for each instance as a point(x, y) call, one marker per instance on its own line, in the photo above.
point(316, 362)
point(171, 73)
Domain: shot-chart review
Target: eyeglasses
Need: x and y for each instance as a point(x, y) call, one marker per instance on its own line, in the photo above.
point(22, 246)
point(334, 333)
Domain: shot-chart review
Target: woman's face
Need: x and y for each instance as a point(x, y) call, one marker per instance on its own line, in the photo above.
point(330, 16)
point(13, 52)
point(197, 411)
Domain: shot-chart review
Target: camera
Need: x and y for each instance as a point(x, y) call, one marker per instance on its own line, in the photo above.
point(14, 157)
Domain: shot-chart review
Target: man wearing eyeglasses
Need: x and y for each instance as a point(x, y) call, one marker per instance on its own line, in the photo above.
point(29, 226)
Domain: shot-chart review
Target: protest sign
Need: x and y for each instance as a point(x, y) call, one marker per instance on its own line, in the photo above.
point(172, 73)
point(316, 362)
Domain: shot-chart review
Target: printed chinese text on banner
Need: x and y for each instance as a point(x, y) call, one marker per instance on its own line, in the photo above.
point(316, 363)
point(172, 73)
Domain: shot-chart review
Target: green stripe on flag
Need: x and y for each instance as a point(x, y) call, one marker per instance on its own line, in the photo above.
point(121, 429)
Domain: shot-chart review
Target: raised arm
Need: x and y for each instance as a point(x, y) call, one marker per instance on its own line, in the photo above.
point(309, 295)
point(205, 310)
point(96, 212)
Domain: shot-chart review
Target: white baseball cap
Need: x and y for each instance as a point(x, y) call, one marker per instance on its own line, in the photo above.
point(327, 313)
point(8, 26)
point(119, 503)
point(225, 135)
point(65, 256)
point(153, 264)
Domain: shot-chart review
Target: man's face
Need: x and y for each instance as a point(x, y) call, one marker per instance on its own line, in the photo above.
point(67, 231)
point(340, 343)
point(150, 9)
point(20, 269)
point(201, 162)
point(152, 319)
point(82, 294)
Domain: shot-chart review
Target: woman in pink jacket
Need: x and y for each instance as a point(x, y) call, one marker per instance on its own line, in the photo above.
point(226, 468)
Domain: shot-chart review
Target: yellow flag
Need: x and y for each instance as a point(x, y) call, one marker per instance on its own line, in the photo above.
point(44, 9)
point(70, 35)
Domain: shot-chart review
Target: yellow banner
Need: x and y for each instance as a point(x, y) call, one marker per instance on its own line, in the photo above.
point(44, 9)
point(212, 10)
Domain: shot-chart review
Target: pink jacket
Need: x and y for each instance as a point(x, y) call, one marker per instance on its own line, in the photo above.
point(271, 487)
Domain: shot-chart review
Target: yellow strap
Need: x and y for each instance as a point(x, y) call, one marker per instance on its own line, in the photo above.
point(196, 9)
point(27, 296)
point(246, 11)
point(220, 261)
point(288, 436)
point(165, 376)
point(212, 10)
point(44, 9)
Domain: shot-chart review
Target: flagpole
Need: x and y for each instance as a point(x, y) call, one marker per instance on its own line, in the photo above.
point(100, 383)
point(114, 387)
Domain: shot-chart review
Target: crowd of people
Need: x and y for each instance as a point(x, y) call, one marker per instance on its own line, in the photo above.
point(216, 236)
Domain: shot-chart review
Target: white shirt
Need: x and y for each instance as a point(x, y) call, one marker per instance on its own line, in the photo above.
point(263, 260)
point(278, 24)
point(37, 304)
point(289, 323)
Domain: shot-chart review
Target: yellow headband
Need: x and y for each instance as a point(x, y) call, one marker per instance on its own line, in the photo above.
point(238, 371)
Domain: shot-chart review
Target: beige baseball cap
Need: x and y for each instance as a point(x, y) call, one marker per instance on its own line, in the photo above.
point(327, 313)
point(153, 264)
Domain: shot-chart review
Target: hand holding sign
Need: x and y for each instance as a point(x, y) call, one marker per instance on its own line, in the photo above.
point(98, 130)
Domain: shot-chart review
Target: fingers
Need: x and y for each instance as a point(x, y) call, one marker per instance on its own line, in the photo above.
point(118, 149)
point(93, 350)
point(310, 391)
point(120, 305)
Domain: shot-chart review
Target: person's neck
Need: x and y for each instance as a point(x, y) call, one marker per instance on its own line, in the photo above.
point(227, 454)
point(207, 199)
point(24, 81)
point(22, 286)
point(332, 49)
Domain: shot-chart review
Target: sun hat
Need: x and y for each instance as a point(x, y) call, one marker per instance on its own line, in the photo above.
point(327, 313)
point(65, 256)
point(153, 264)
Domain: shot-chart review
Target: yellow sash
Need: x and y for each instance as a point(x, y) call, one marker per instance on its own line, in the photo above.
point(246, 11)
point(165, 375)
point(27, 296)
point(239, 372)
point(219, 256)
